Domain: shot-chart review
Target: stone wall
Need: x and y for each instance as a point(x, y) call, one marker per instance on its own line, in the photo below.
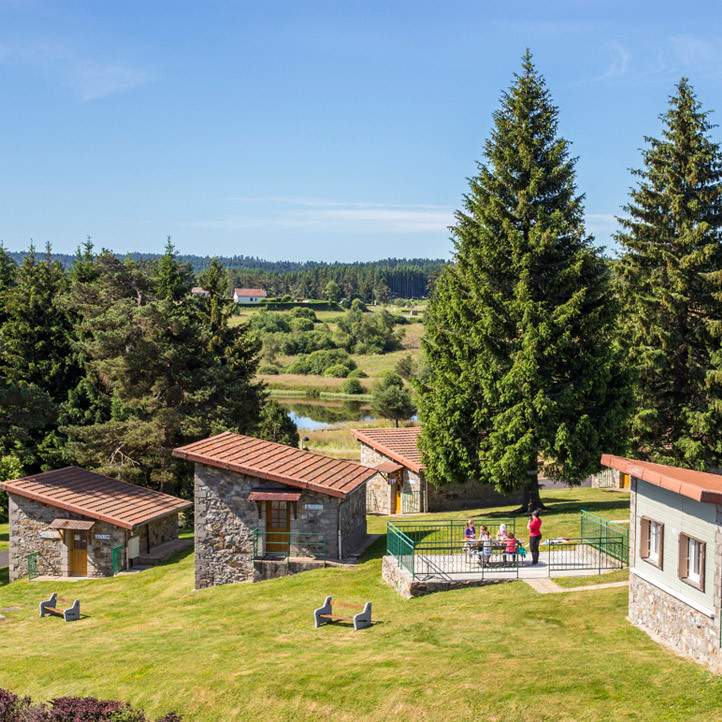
point(447, 498)
point(469, 495)
point(397, 577)
point(157, 532)
point(378, 495)
point(352, 518)
point(29, 518)
point(675, 624)
point(225, 520)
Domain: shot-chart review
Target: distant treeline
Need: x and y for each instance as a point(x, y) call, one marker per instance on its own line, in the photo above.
point(371, 281)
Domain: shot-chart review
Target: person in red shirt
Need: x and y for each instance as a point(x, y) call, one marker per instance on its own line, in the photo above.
point(534, 527)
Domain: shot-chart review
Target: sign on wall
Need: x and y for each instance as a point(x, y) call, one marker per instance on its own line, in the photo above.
point(49, 535)
point(315, 507)
point(102, 536)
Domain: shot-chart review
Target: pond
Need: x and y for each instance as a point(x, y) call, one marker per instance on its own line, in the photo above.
point(314, 415)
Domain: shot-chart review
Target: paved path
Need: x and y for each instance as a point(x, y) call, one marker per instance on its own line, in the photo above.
point(549, 586)
point(4, 559)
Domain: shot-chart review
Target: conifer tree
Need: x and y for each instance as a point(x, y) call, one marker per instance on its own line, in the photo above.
point(518, 333)
point(670, 279)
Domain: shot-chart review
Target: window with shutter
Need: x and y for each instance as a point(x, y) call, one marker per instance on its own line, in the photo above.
point(644, 537)
point(692, 557)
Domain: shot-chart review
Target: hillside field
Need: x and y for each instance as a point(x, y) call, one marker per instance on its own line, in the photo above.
point(250, 651)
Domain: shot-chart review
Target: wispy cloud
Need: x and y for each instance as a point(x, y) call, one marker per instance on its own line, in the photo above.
point(336, 216)
point(88, 77)
point(600, 222)
point(683, 54)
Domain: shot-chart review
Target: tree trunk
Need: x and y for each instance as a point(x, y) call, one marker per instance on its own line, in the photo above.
point(531, 500)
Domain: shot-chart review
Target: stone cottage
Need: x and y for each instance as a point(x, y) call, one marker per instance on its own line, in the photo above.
point(675, 549)
point(256, 500)
point(74, 519)
point(401, 486)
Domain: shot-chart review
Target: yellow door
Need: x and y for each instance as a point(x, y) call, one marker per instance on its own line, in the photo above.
point(278, 526)
point(397, 497)
point(625, 481)
point(78, 553)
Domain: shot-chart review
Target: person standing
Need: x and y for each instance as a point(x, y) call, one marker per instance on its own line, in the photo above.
point(534, 527)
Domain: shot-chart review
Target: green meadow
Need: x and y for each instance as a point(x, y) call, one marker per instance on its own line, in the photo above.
point(250, 651)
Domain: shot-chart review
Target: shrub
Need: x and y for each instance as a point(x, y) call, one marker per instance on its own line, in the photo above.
point(305, 342)
point(358, 374)
point(352, 386)
point(269, 370)
point(301, 324)
point(73, 709)
point(317, 362)
point(303, 312)
point(338, 371)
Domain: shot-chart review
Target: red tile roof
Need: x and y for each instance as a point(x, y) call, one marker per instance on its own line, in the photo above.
point(274, 495)
point(398, 444)
point(699, 485)
point(276, 462)
point(96, 496)
point(387, 467)
point(250, 292)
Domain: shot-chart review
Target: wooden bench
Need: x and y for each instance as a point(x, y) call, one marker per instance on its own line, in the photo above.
point(325, 614)
point(70, 614)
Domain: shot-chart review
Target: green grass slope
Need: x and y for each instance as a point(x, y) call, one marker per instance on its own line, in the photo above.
point(250, 651)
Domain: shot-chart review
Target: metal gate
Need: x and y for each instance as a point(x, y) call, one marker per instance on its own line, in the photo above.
point(117, 559)
point(33, 565)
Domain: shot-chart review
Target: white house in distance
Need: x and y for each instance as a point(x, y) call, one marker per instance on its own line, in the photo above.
point(248, 295)
point(675, 557)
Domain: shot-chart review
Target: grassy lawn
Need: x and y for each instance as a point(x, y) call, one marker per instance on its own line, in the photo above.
point(250, 651)
point(4, 538)
point(621, 575)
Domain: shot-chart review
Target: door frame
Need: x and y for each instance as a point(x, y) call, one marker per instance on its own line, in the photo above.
point(281, 542)
point(73, 570)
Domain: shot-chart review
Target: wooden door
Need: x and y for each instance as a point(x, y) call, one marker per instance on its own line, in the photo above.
point(625, 481)
point(397, 496)
point(78, 553)
point(278, 526)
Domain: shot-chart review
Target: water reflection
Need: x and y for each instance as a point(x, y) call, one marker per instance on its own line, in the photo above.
point(310, 416)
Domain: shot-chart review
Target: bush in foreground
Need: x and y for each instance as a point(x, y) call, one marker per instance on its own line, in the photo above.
point(72, 709)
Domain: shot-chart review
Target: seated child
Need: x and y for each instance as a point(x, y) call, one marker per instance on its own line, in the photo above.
point(469, 534)
point(501, 534)
point(486, 545)
point(511, 547)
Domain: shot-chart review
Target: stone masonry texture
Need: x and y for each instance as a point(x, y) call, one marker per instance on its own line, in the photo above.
point(225, 520)
point(446, 498)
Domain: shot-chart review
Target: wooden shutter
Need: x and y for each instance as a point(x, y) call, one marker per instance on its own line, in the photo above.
point(643, 537)
point(682, 557)
point(702, 554)
point(660, 541)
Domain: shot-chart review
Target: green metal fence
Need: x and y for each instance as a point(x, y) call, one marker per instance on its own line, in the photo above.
point(612, 538)
point(117, 559)
point(439, 548)
point(280, 545)
point(33, 565)
point(586, 553)
point(410, 502)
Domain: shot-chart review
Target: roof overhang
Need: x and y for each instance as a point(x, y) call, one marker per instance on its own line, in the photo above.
point(268, 476)
point(8, 487)
point(274, 495)
point(387, 467)
point(75, 524)
point(666, 477)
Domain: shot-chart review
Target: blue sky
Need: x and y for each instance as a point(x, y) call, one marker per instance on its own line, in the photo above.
point(314, 130)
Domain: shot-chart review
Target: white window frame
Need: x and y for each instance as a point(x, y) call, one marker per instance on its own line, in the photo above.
point(655, 540)
point(693, 550)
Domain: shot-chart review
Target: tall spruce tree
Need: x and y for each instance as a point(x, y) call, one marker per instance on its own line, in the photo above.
point(670, 279)
point(519, 330)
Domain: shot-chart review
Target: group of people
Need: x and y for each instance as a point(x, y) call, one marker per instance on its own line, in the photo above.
point(505, 541)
